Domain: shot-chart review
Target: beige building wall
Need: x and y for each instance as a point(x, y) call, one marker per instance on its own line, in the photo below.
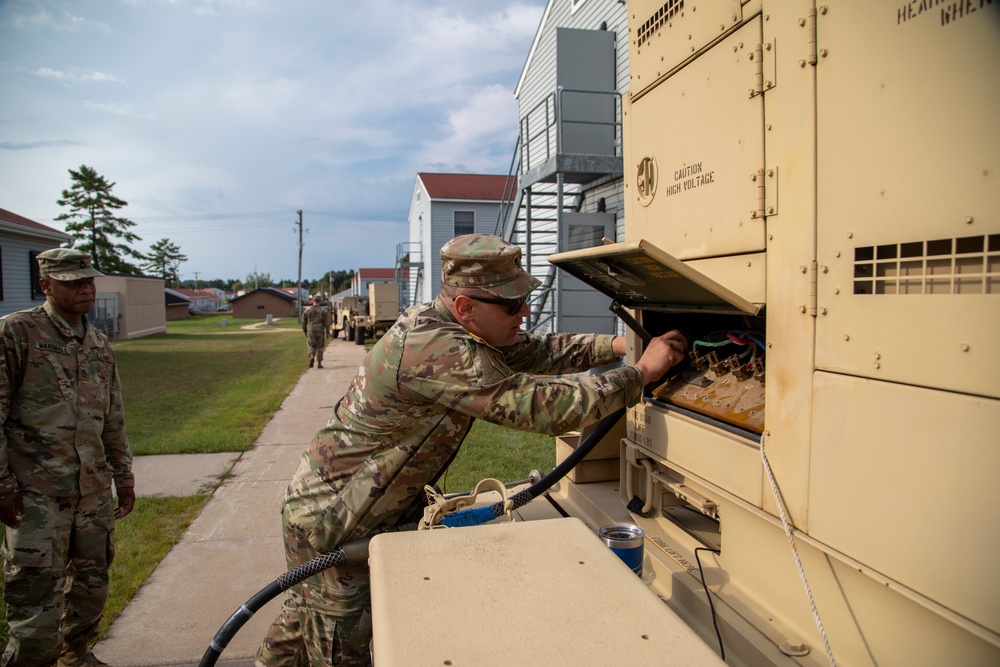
point(141, 305)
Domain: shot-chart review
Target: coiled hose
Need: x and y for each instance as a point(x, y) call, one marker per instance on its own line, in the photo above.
point(357, 551)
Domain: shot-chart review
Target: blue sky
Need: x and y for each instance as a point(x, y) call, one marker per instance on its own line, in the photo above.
point(219, 119)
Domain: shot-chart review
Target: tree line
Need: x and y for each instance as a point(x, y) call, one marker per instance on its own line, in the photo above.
point(93, 220)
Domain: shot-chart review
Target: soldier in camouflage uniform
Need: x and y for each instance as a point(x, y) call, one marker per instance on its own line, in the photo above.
point(62, 445)
point(314, 327)
point(442, 365)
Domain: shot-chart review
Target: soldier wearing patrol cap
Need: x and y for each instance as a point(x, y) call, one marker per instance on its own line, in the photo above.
point(62, 446)
point(443, 364)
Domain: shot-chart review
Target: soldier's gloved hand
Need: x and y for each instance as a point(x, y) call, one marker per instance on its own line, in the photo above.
point(126, 501)
point(10, 509)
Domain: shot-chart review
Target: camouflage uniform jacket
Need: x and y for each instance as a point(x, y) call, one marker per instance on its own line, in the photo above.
point(314, 324)
point(61, 408)
point(413, 401)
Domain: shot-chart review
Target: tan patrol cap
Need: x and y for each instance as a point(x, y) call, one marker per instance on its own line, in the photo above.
point(65, 264)
point(488, 263)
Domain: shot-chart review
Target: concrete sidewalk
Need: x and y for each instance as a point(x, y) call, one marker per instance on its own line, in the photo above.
point(234, 548)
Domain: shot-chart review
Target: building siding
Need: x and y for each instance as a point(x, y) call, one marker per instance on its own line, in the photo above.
point(16, 257)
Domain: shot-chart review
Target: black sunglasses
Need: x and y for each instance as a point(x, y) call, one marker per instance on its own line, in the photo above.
point(513, 305)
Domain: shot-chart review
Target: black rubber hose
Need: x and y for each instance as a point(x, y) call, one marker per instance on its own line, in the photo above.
point(352, 552)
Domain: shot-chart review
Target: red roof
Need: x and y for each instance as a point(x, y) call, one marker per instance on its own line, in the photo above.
point(194, 294)
point(16, 219)
point(369, 274)
point(469, 187)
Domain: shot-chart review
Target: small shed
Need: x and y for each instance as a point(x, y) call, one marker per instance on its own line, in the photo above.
point(129, 306)
point(178, 306)
point(262, 302)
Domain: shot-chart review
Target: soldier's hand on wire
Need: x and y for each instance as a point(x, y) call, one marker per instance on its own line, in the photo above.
point(10, 509)
point(661, 354)
point(126, 501)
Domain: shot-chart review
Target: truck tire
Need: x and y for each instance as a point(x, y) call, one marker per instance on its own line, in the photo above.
point(333, 333)
point(359, 336)
point(349, 335)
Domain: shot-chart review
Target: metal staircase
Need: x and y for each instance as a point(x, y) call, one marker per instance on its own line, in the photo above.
point(409, 272)
point(549, 184)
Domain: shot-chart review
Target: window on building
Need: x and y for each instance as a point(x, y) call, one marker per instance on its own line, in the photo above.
point(465, 222)
point(36, 291)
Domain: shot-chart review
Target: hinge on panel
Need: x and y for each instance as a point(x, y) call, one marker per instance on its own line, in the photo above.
point(811, 36)
point(813, 271)
point(758, 178)
point(757, 56)
point(771, 191)
point(764, 68)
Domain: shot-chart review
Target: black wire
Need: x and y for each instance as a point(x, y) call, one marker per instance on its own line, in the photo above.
point(708, 594)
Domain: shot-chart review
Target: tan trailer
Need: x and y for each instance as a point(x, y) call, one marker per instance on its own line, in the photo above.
point(380, 313)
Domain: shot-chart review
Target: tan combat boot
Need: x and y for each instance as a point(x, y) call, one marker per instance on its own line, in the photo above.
point(78, 655)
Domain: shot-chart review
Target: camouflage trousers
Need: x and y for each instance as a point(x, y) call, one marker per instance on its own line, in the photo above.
point(56, 574)
point(325, 620)
point(316, 346)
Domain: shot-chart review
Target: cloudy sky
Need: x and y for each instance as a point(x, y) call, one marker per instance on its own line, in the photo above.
point(220, 119)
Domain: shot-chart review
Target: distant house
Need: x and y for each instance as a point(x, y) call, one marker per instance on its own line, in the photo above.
point(260, 303)
point(178, 306)
point(202, 301)
point(20, 240)
point(444, 206)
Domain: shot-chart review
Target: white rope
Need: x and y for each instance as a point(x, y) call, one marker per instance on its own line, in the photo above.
point(795, 553)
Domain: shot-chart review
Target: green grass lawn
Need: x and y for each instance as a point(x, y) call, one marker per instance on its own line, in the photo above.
point(207, 387)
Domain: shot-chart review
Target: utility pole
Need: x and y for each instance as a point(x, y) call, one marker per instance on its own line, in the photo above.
point(196, 280)
point(298, 288)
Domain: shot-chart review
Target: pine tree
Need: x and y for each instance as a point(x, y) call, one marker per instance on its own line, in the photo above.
point(163, 260)
point(92, 221)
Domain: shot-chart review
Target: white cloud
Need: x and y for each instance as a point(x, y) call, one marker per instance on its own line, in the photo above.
point(76, 75)
point(62, 21)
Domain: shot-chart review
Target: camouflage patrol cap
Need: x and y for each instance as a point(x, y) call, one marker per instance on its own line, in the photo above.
point(487, 263)
point(65, 264)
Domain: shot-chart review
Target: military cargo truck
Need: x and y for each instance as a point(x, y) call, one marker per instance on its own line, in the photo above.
point(381, 311)
point(344, 310)
point(812, 194)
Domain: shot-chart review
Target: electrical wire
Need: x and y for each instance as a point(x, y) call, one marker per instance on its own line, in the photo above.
point(708, 594)
point(795, 553)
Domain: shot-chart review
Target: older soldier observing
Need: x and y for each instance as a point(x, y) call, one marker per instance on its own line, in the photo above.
point(443, 364)
point(62, 445)
point(314, 327)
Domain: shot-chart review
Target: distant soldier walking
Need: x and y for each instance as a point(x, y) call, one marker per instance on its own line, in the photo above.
point(314, 327)
point(62, 444)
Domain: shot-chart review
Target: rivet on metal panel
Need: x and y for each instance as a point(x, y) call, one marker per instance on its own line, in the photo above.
point(802, 309)
point(749, 263)
point(803, 269)
point(802, 63)
point(768, 127)
point(770, 237)
point(968, 219)
point(770, 345)
point(767, 46)
point(753, 177)
point(850, 235)
point(836, 290)
point(822, 9)
point(822, 311)
point(753, 214)
point(965, 347)
point(823, 52)
point(836, 254)
point(736, 17)
point(770, 209)
point(770, 173)
point(750, 56)
point(825, 268)
point(767, 84)
point(878, 355)
point(847, 336)
point(802, 23)
point(877, 365)
point(722, 26)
